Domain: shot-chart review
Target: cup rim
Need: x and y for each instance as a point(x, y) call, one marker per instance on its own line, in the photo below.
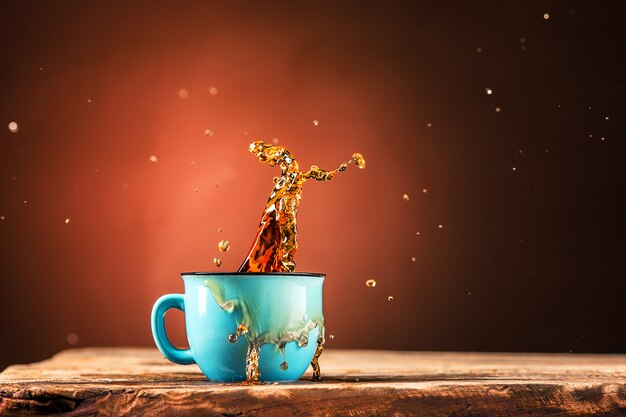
point(250, 274)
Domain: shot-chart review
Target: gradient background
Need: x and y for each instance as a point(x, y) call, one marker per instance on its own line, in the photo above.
point(528, 259)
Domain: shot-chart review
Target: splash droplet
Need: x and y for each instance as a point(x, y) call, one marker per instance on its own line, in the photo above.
point(233, 338)
point(413, 259)
point(195, 190)
point(429, 124)
point(154, 159)
point(332, 336)
point(2, 217)
point(440, 226)
point(242, 329)
point(390, 298)
point(546, 16)
point(223, 245)
point(182, 93)
point(405, 197)
point(219, 229)
point(488, 90)
point(67, 221)
point(358, 160)
point(212, 91)
point(284, 366)
point(13, 127)
point(217, 262)
point(316, 122)
point(498, 109)
point(424, 190)
point(72, 338)
point(370, 283)
point(209, 133)
point(275, 140)
point(479, 50)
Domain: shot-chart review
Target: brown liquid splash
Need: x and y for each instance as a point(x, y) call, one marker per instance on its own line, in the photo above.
point(275, 245)
point(276, 240)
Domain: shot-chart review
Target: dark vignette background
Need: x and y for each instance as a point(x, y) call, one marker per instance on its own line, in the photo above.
point(530, 255)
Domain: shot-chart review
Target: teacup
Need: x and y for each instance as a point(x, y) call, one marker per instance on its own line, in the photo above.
point(227, 313)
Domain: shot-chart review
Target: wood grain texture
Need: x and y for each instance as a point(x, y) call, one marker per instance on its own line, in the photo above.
point(125, 382)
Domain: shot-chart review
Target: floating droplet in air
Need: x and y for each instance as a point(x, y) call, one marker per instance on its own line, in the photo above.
point(219, 229)
point(72, 338)
point(13, 127)
point(242, 329)
point(233, 338)
point(209, 133)
point(370, 283)
point(182, 93)
point(413, 259)
point(405, 197)
point(546, 16)
point(390, 298)
point(358, 160)
point(488, 90)
point(332, 336)
point(212, 91)
point(223, 245)
point(67, 221)
point(217, 262)
point(316, 122)
point(154, 159)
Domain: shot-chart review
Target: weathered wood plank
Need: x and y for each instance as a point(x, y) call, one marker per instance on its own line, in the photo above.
point(121, 382)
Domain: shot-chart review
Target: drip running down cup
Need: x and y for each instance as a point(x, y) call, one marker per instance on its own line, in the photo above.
point(246, 326)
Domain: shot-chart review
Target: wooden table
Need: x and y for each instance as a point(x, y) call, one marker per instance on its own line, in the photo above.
point(122, 382)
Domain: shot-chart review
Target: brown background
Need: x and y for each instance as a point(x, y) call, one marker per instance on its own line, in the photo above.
point(530, 259)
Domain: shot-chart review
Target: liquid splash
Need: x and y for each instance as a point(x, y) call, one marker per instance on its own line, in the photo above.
point(276, 241)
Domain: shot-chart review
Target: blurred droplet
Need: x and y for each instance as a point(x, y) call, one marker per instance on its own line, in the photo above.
point(88, 100)
point(514, 169)
point(13, 127)
point(413, 259)
point(242, 329)
point(275, 140)
point(154, 159)
point(358, 160)
point(192, 163)
point(217, 262)
point(72, 338)
point(219, 229)
point(316, 122)
point(2, 217)
point(224, 245)
point(125, 186)
point(209, 133)
point(546, 16)
point(429, 124)
point(418, 233)
point(606, 118)
point(233, 338)
point(284, 366)
point(424, 190)
point(390, 298)
point(195, 190)
point(67, 221)
point(498, 109)
point(522, 40)
point(405, 197)
point(332, 336)
point(212, 91)
point(479, 50)
point(370, 283)
point(488, 90)
point(182, 93)
point(440, 226)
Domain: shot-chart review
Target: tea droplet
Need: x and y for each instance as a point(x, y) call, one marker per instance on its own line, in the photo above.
point(182, 93)
point(154, 159)
point(72, 338)
point(488, 90)
point(413, 259)
point(233, 338)
point(2, 217)
point(242, 329)
point(195, 190)
point(390, 298)
point(217, 262)
point(405, 197)
point(284, 366)
point(212, 91)
point(498, 109)
point(208, 132)
point(219, 229)
point(370, 283)
point(67, 221)
point(224, 245)
point(440, 226)
point(332, 336)
point(316, 122)
point(546, 16)
point(424, 190)
point(358, 160)
point(13, 127)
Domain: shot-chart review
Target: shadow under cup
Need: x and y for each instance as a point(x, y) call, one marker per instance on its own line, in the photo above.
point(281, 313)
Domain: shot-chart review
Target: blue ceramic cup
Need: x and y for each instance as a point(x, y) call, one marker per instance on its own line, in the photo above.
point(281, 313)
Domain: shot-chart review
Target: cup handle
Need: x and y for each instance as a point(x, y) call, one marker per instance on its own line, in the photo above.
point(177, 301)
